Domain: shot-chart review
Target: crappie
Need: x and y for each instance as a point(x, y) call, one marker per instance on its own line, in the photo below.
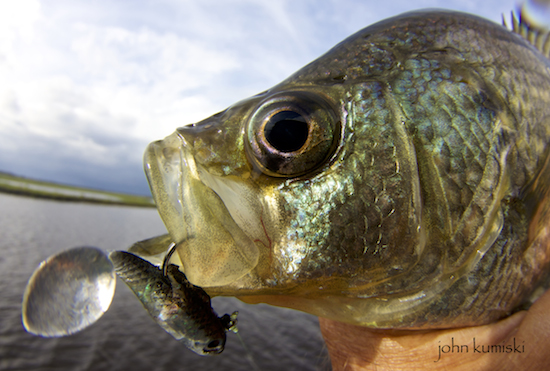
point(401, 180)
point(181, 309)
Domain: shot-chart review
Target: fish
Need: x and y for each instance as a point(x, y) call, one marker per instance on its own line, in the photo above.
point(401, 180)
point(180, 308)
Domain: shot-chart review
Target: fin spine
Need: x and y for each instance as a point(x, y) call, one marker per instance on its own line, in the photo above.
point(538, 37)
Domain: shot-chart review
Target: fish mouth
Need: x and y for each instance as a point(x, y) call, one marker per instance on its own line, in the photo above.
point(213, 220)
point(213, 347)
point(205, 347)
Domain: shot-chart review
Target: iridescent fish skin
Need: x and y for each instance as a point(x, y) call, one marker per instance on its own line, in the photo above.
point(180, 308)
point(416, 194)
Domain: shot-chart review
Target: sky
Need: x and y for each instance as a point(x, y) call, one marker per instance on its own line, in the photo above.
point(85, 85)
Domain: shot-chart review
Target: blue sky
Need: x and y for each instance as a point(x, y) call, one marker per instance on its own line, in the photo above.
point(86, 85)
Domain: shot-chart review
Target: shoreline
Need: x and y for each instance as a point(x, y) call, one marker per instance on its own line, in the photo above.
point(21, 186)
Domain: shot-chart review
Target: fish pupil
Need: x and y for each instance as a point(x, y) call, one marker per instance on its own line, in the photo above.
point(286, 131)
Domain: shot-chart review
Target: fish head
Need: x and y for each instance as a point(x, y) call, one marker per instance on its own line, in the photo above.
point(373, 186)
point(205, 345)
point(304, 191)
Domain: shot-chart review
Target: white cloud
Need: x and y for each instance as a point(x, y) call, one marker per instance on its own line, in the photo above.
point(17, 18)
point(92, 83)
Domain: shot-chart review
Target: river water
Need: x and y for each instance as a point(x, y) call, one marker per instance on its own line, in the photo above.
point(126, 338)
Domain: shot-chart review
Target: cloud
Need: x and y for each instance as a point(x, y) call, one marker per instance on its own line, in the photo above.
point(86, 85)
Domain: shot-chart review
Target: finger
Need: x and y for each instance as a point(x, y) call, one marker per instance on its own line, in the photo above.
point(532, 339)
point(360, 348)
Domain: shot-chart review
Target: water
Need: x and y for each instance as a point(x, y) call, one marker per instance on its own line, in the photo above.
point(126, 338)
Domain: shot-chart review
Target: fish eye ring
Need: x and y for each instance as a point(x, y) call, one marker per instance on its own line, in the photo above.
point(292, 133)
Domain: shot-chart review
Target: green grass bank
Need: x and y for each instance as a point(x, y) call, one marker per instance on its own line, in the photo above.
point(10, 183)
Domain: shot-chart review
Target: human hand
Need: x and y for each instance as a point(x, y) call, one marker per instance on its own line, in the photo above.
point(524, 340)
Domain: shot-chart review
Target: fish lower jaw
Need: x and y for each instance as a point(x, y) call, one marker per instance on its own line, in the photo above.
point(211, 245)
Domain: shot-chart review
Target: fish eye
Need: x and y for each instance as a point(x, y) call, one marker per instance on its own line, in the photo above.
point(292, 133)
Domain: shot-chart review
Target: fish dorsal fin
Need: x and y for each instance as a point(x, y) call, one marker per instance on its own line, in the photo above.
point(539, 37)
